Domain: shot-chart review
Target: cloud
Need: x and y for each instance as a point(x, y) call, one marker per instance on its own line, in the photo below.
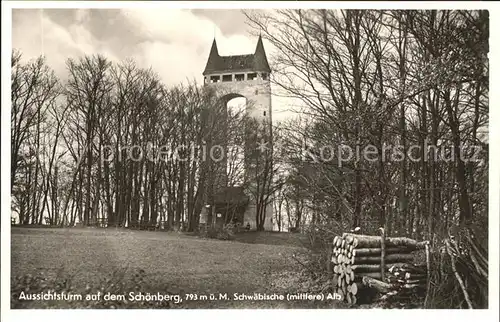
point(178, 42)
point(229, 21)
point(175, 43)
point(34, 33)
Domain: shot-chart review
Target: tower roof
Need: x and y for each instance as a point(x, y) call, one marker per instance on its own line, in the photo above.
point(253, 62)
point(213, 58)
point(260, 59)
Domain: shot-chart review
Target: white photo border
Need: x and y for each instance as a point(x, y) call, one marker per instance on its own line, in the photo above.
point(490, 314)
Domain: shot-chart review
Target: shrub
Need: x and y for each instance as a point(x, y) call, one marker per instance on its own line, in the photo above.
point(225, 232)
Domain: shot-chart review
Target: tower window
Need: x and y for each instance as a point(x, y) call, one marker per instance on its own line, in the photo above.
point(264, 76)
point(227, 78)
point(264, 113)
point(214, 79)
point(239, 77)
point(252, 76)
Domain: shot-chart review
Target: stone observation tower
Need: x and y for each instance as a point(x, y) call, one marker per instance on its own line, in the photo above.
point(241, 76)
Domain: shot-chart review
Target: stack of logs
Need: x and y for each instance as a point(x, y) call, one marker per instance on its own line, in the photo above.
point(375, 262)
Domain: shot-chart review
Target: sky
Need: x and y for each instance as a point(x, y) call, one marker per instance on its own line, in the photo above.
point(174, 42)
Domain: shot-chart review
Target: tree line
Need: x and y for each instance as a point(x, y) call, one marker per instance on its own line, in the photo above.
point(415, 79)
point(412, 79)
point(113, 142)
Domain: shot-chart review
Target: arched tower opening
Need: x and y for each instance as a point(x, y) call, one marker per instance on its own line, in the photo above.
point(236, 104)
point(236, 109)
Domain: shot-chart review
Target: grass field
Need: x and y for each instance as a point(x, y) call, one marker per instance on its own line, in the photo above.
point(171, 261)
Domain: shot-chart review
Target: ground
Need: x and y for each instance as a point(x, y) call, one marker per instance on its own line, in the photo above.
point(179, 264)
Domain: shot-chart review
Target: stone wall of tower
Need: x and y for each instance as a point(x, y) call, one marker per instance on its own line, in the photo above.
point(258, 106)
point(257, 92)
point(249, 216)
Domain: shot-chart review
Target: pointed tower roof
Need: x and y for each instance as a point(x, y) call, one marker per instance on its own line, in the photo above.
point(213, 61)
point(253, 62)
point(260, 59)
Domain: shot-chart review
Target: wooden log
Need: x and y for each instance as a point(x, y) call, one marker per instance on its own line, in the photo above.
point(366, 241)
point(335, 280)
point(369, 274)
point(365, 268)
point(341, 293)
point(382, 253)
point(393, 258)
point(410, 286)
point(378, 251)
point(376, 267)
point(358, 278)
point(380, 286)
point(388, 295)
point(413, 281)
point(457, 276)
point(354, 288)
point(478, 267)
point(335, 240)
point(481, 256)
point(405, 268)
point(348, 298)
point(414, 276)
